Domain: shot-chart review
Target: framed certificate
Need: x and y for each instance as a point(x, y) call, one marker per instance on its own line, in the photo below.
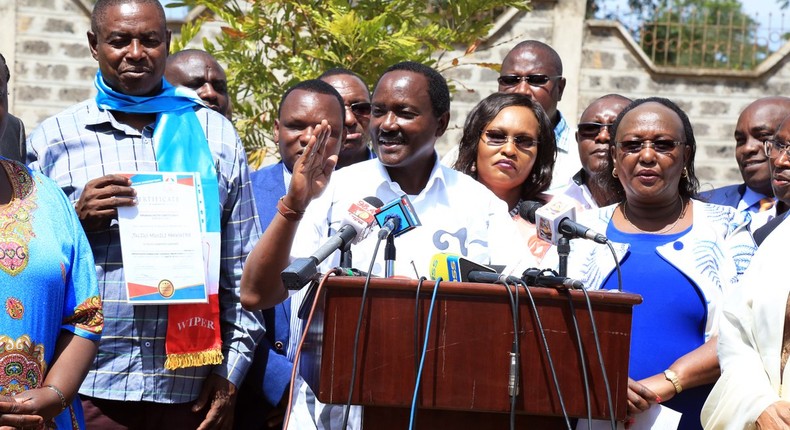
point(161, 239)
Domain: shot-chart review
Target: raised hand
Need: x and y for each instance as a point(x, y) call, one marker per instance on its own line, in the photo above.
point(312, 170)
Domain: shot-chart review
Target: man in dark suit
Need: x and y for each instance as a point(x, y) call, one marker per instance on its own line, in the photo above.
point(263, 395)
point(12, 140)
point(779, 162)
point(757, 122)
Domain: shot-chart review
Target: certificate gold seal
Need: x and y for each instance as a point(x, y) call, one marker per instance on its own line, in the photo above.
point(166, 288)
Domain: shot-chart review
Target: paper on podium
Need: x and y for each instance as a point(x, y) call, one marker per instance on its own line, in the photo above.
point(658, 417)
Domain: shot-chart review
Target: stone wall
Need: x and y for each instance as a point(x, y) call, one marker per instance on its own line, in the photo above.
point(52, 68)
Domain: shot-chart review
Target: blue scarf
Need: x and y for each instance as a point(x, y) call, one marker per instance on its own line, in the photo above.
point(180, 145)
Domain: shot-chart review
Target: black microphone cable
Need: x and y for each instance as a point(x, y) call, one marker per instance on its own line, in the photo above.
point(600, 360)
point(548, 354)
point(582, 360)
point(616, 266)
point(413, 414)
point(513, 376)
point(356, 334)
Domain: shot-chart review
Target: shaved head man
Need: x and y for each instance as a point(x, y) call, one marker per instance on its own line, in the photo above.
point(756, 124)
point(594, 137)
point(199, 71)
point(534, 68)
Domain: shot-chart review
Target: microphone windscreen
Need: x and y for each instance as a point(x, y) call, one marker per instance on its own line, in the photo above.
point(527, 209)
point(549, 217)
point(446, 266)
point(374, 201)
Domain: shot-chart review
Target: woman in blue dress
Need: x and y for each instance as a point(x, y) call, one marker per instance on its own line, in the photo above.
point(50, 310)
point(681, 254)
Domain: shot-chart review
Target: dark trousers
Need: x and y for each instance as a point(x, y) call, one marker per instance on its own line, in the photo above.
point(101, 414)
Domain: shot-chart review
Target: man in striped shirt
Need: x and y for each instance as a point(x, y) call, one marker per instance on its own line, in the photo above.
point(82, 149)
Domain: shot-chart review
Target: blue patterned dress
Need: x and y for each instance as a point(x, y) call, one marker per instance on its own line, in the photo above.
point(47, 283)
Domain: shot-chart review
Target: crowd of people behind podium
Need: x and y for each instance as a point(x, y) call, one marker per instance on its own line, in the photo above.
point(710, 340)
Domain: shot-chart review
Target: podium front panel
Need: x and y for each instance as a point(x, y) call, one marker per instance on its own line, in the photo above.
point(471, 335)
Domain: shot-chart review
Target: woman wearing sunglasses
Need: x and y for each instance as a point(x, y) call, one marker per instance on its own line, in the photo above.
point(508, 146)
point(682, 255)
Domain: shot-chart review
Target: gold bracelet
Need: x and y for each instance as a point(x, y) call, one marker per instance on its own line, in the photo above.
point(673, 378)
point(288, 213)
point(63, 404)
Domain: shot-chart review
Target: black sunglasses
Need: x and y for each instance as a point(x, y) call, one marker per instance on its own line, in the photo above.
point(361, 108)
point(533, 80)
point(499, 138)
point(590, 130)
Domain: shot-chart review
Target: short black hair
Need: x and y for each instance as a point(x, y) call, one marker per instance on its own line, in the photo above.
point(100, 10)
point(537, 45)
point(437, 85)
point(4, 71)
point(539, 178)
point(314, 86)
point(689, 184)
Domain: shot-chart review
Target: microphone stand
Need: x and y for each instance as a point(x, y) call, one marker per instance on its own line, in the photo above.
point(563, 250)
point(345, 256)
point(389, 257)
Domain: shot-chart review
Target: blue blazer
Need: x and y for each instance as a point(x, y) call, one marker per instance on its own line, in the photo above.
point(267, 187)
point(270, 372)
point(730, 195)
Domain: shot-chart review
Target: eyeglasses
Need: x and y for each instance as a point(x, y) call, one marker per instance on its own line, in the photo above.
point(662, 146)
point(361, 108)
point(533, 80)
point(591, 130)
point(775, 148)
point(498, 138)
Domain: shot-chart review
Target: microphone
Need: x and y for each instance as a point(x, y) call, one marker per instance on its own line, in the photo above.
point(555, 219)
point(454, 268)
point(391, 224)
point(446, 266)
point(356, 225)
point(536, 277)
point(396, 217)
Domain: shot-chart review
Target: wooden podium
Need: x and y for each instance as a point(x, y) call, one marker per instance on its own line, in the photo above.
point(465, 375)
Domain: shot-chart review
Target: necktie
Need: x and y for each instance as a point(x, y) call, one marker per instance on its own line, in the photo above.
point(766, 203)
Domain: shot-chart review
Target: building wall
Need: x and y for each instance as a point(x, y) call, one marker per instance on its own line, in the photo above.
point(52, 68)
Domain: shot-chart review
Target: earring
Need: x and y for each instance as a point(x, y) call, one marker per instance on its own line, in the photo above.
point(474, 167)
point(614, 172)
point(685, 173)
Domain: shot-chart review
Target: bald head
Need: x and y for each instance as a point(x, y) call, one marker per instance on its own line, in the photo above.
point(758, 122)
point(544, 51)
point(603, 102)
point(534, 68)
point(200, 71)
